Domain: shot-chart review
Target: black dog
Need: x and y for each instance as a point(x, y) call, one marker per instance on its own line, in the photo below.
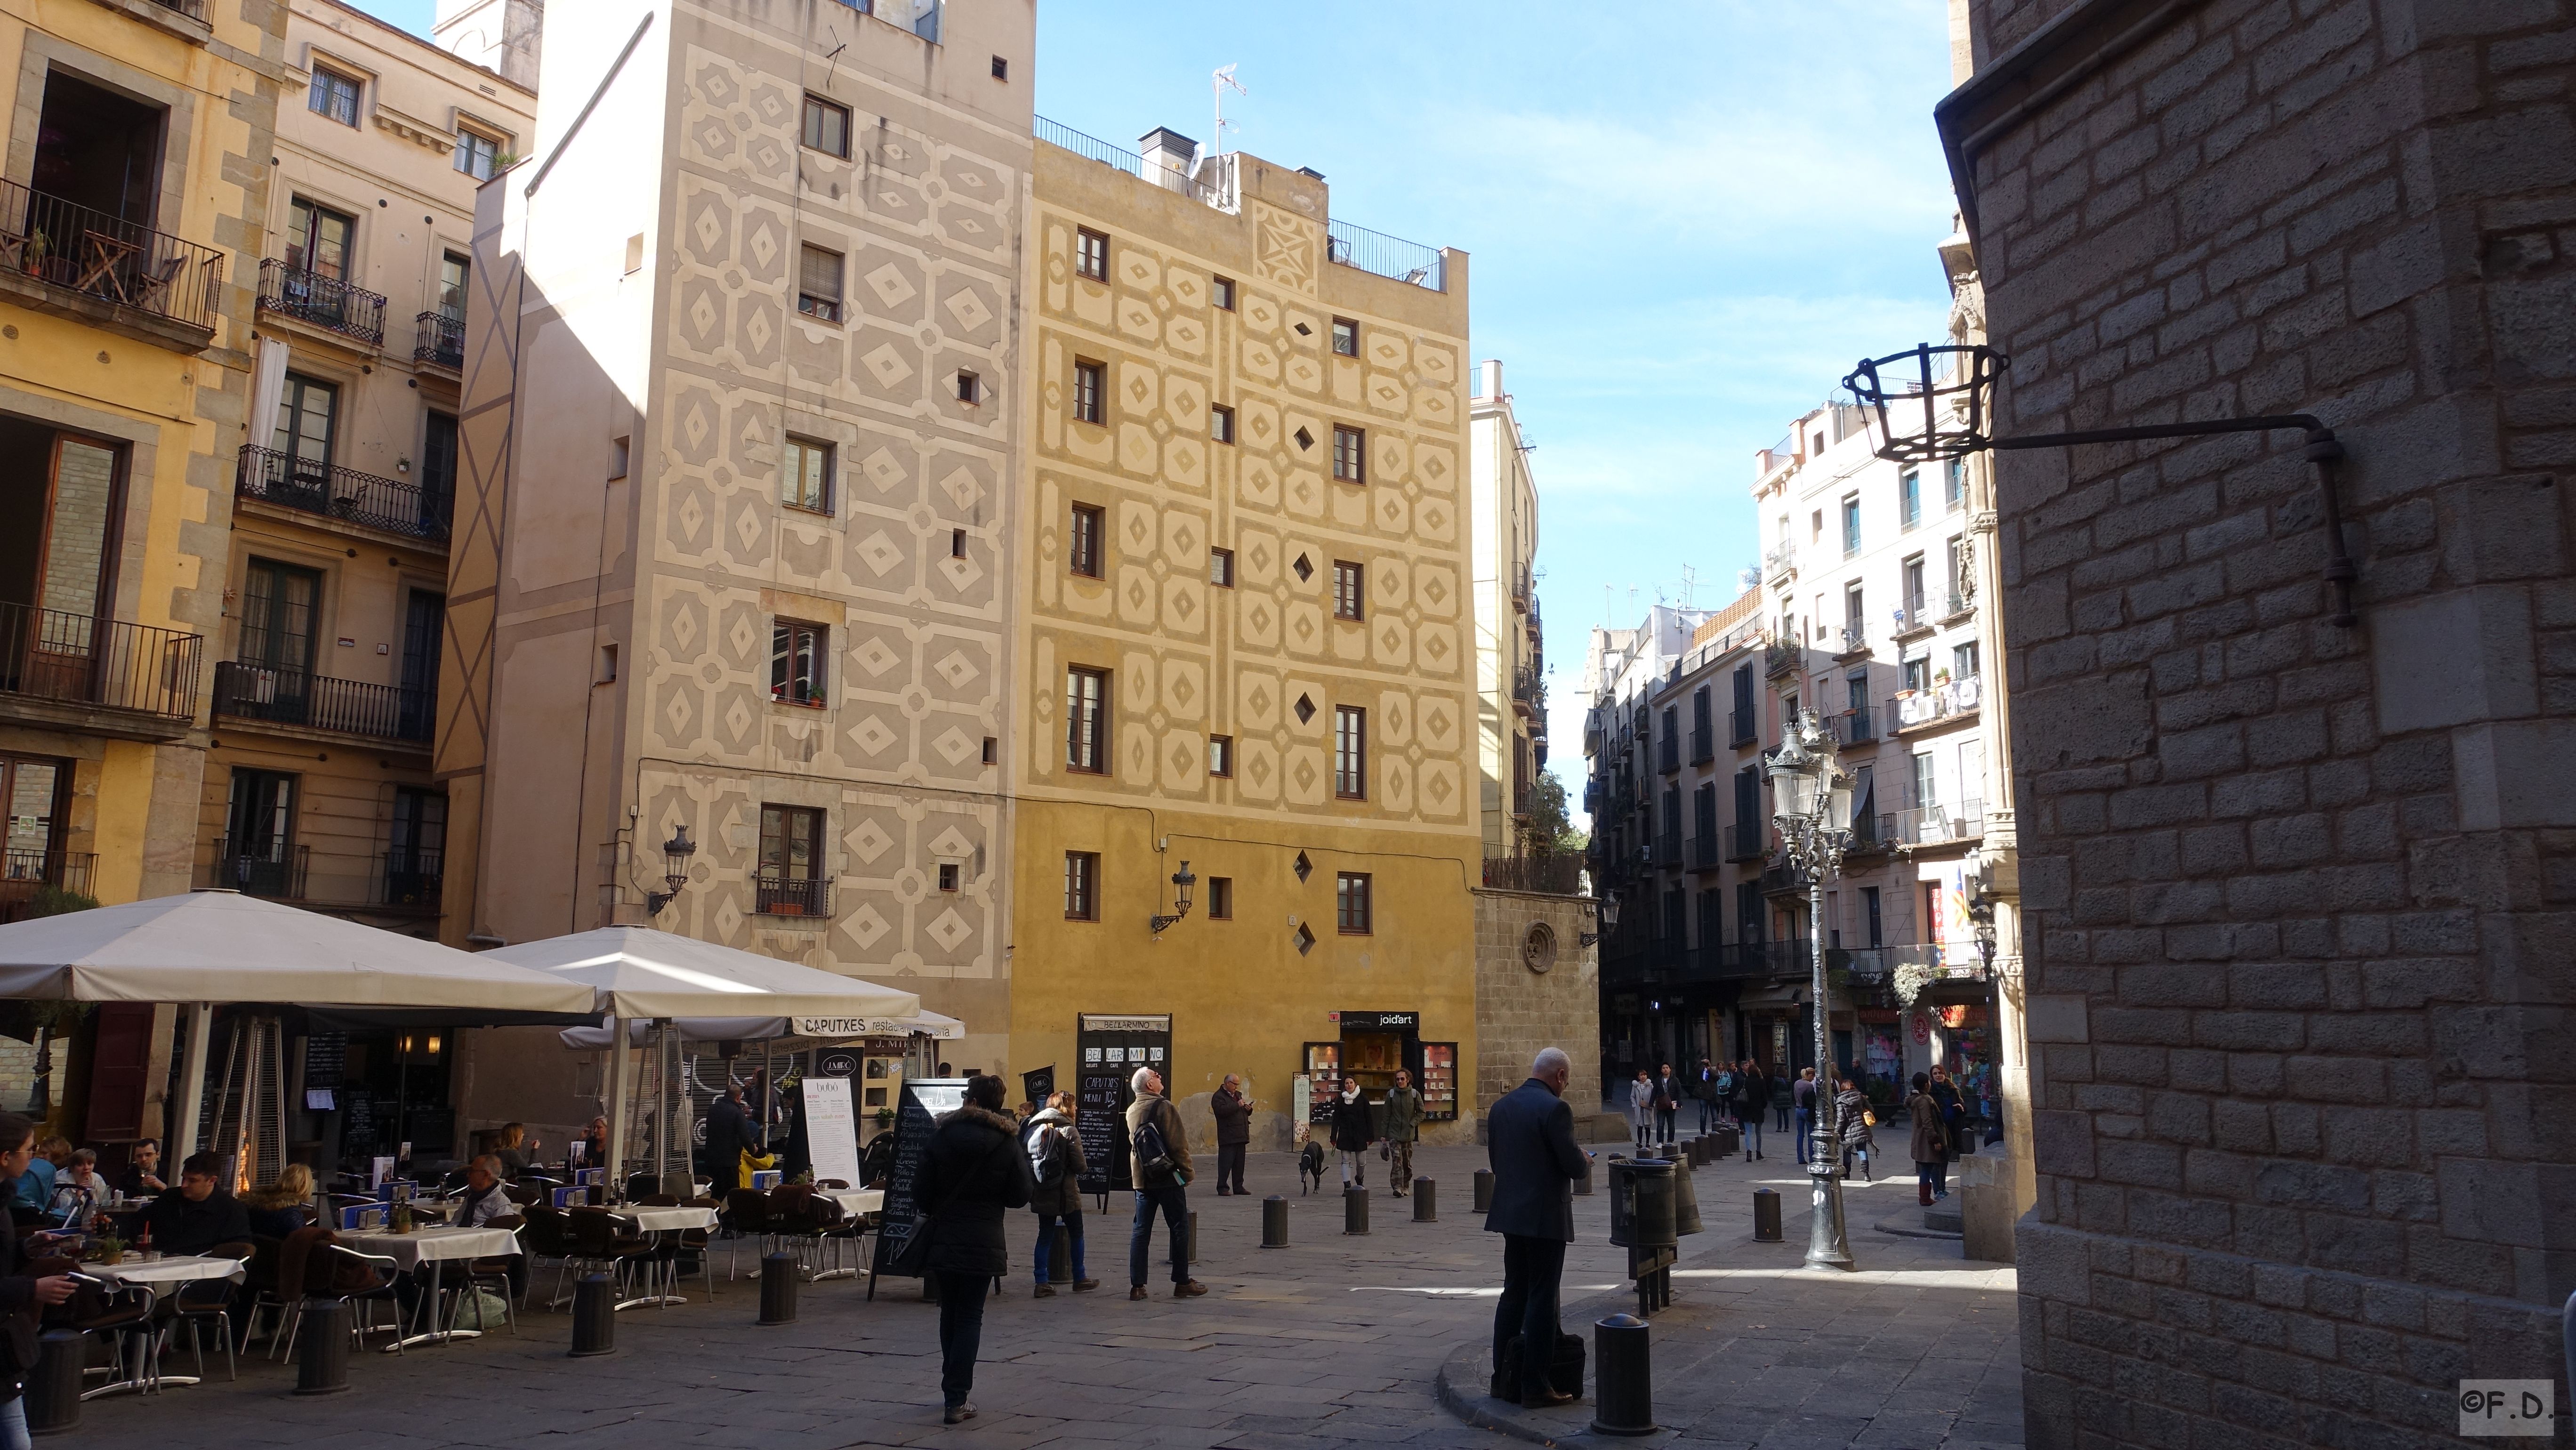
point(1310, 1168)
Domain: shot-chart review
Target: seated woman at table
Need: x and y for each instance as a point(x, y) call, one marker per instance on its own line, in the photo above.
point(514, 1149)
point(198, 1214)
point(142, 1175)
point(594, 1144)
point(278, 1209)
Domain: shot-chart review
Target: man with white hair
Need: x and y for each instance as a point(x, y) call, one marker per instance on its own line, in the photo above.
point(1529, 1142)
point(1159, 1153)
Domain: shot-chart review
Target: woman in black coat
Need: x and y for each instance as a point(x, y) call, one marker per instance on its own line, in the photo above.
point(25, 1286)
point(972, 1172)
point(1752, 1100)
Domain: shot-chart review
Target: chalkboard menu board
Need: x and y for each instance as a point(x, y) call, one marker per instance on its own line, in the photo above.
point(358, 1123)
point(924, 1101)
point(326, 1059)
point(1111, 1049)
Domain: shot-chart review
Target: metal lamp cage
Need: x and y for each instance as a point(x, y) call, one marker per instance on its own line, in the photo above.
point(1932, 403)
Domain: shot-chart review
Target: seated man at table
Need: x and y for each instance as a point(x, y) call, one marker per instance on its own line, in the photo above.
point(198, 1214)
point(483, 1199)
point(142, 1175)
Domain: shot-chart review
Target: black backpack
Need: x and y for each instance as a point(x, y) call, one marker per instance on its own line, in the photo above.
point(1154, 1166)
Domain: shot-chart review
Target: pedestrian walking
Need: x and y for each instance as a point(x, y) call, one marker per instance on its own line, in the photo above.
point(1752, 1101)
point(731, 1132)
point(1529, 1145)
point(1352, 1133)
point(1159, 1153)
point(1641, 1106)
point(1953, 1109)
point(1931, 1143)
point(1056, 1164)
point(1704, 1088)
point(971, 1171)
point(1802, 1095)
point(1724, 1092)
point(1668, 1105)
point(1233, 1133)
point(1781, 1101)
point(1403, 1114)
point(1852, 1121)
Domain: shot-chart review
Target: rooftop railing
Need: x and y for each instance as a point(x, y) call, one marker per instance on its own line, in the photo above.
point(1356, 246)
point(1214, 183)
point(97, 255)
point(80, 659)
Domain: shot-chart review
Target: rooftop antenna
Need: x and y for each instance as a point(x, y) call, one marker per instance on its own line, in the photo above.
point(1221, 82)
point(1690, 581)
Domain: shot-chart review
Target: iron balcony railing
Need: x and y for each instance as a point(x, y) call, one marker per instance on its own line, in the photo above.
point(322, 301)
point(1557, 873)
point(1933, 825)
point(1955, 604)
point(1703, 851)
point(66, 870)
point(97, 255)
point(1703, 745)
point(1740, 729)
point(1387, 256)
point(791, 896)
point(1782, 877)
point(1668, 850)
point(1521, 586)
point(1780, 560)
point(80, 659)
point(439, 339)
point(410, 877)
point(1214, 183)
point(1912, 617)
point(312, 487)
point(1851, 639)
point(259, 868)
point(1859, 727)
point(318, 702)
point(1747, 842)
point(1528, 691)
point(193, 9)
point(1668, 755)
point(1917, 708)
point(1781, 658)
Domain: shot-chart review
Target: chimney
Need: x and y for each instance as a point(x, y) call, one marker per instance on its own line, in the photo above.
point(1493, 385)
point(1170, 157)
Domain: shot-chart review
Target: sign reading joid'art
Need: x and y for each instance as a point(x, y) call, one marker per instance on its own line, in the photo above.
point(832, 1130)
point(924, 1102)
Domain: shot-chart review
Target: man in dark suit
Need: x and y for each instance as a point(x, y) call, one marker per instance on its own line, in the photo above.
point(1529, 1143)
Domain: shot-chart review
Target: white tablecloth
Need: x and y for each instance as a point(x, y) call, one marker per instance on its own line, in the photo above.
point(176, 1269)
point(659, 1219)
point(855, 1201)
point(414, 1249)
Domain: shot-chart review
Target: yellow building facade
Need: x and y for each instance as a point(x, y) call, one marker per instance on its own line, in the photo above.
point(1244, 629)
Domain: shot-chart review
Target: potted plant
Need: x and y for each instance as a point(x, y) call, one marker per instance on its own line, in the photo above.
point(1940, 678)
point(38, 245)
point(111, 1250)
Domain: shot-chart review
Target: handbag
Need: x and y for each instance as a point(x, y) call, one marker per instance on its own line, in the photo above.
point(912, 1261)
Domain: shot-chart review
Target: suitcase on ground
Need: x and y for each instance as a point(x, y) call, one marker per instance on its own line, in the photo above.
point(1564, 1373)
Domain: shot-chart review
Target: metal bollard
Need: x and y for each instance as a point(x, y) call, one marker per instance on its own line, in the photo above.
point(54, 1390)
point(1426, 1201)
point(1766, 1216)
point(1584, 1183)
point(594, 1316)
point(1355, 1210)
point(778, 1289)
point(1060, 1257)
point(1274, 1222)
point(1623, 1391)
point(322, 1359)
point(1484, 1202)
point(1194, 1237)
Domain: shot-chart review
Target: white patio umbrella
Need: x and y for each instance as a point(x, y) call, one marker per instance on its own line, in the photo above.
point(207, 947)
point(637, 972)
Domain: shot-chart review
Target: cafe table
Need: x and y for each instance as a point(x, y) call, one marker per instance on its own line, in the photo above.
point(161, 1274)
point(434, 1247)
point(661, 1219)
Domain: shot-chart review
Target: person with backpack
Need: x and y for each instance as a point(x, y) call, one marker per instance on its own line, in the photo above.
point(1159, 1157)
point(1403, 1107)
point(1352, 1132)
point(972, 1169)
point(1724, 1089)
point(1704, 1088)
point(1233, 1113)
point(1057, 1164)
point(1752, 1101)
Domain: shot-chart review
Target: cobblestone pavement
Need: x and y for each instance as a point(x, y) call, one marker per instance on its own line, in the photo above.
point(1332, 1341)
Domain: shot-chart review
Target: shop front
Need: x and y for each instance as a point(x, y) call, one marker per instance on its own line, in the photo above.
point(1373, 1047)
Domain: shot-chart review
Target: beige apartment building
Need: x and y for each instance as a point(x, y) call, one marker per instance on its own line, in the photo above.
point(733, 527)
point(1511, 668)
point(319, 788)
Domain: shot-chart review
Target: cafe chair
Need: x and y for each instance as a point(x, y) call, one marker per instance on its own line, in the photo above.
point(610, 1241)
point(746, 1215)
point(122, 1312)
point(361, 1281)
point(203, 1302)
point(492, 1271)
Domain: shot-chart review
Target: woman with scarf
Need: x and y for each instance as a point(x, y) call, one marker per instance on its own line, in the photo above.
point(1352, 1133)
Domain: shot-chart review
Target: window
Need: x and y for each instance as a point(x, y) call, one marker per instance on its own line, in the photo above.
point(1873, 923)
point(796, 663)
point(1221, 755)
point(1963, 661)
point(1087, 391)
point(278, 602)
point(618, 460)
point(1346, 337)
point(956, 543)
point(806, 480)
point(1220, 898)
point(1855, 615)
point(1347, 588)
point(1220, 423)
point(334, 95)
point(1221, 291)
point(948, 876)
point(1351, 902)
point(607, 665)
point(475, 152)
point(635, 254)
point(818, 284)
point(453, 270)
point(1081, 886)
point(258, 852)
point(1818, 521)
point(307, 413)
point(791, 850)
point(827, 127)
point(1954, 485)
point(1091, 254)
point(1001, 69)
point(1086, 720)
point(1221, 568)
point(1909, 497)
point(1926, 782)
point(970, 388)
point(1350, 752)
point(1914, 615)
point(1082, 542)
point(317, 241)
point(992, 750)
point(1350, 451)
point(1851, 526)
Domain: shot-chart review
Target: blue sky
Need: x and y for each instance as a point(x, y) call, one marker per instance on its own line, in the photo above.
point(1687, 221)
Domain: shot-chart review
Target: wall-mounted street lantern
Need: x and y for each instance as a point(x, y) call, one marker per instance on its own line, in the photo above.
point(675, 870)
point(1182, 881)
point(1605, 915)
point(1957, 409)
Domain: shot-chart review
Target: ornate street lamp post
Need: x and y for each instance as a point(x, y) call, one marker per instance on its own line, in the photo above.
point(1811, 807)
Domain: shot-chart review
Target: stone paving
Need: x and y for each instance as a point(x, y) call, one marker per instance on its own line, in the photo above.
point(1333, 1341)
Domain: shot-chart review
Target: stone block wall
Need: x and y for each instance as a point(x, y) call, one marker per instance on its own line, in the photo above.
point(2296, 894)
point(1520, 1009)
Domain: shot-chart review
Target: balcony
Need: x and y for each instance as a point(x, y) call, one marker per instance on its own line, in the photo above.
point(268, 476)
point(1703, 745)
point(791, 896)
point(1668, 851)
point(1783, 879)
point(1740, 729)
point(88, 264)
point(1668, 755)
point(1529, 693)
point(1912, 621)
point(272, 869)
point(1747, 842)
point(319, 702)
point(1858, 728)
point(25, 873)
point(1781, 658)
point(1386, 256)
point(1521, 588)
point(1851, 641)
point(1552, 873)
point(326, 302)
point(1956, 606)
point(50, 658)
point(439, 340)
point(1933, 825)
point(1920, 709)
point(1703, 851)
point(1780, 563)
point(411, 878)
